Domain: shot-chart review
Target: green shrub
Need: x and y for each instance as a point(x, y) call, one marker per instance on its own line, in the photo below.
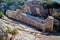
point(1, 14)
point(13, 32)
point(52, 5)
point(22, 7)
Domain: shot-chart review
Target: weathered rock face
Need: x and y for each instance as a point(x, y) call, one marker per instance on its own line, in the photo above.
point(10, 13)
point(36, 9)
point(2, 35)
point(3, 29)
point(26, 36)
point(31, 20)
point(55, 13)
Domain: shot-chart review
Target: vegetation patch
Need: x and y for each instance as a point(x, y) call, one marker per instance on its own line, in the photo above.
point(1, 14)
point(22, 7)
point(52, 5)
point(13, 32)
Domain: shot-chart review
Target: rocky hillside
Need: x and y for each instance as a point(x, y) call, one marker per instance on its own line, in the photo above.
point(14, 30)
point(23, 32)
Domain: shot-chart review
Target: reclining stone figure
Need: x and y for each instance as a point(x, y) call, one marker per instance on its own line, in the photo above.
point(44, 25)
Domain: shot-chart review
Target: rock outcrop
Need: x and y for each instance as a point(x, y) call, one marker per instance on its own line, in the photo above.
point(55, 12)
point(36, 8)
point(31, 20)
point(3, 29)
point(26, 36)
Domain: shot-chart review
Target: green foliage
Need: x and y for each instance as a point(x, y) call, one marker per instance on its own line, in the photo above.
point(1, 14)
point(50, 2)
point(52, 5)
point(13, 32)
point(22, 7)
point(14, 0)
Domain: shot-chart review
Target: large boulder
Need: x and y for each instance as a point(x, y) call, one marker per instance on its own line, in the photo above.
point(12, 13)
point(36, 9)
point(55, 12)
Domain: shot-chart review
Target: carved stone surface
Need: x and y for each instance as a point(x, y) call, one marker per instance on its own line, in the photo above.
point(31, 20)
